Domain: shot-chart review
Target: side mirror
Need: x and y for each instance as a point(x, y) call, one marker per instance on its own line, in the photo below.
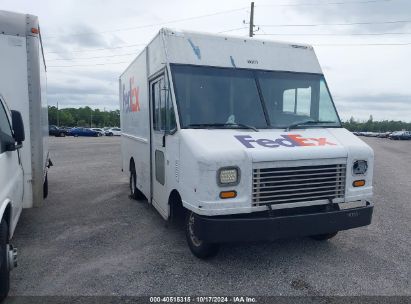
point(18, 127)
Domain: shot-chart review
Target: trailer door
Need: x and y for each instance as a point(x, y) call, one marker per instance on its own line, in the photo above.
point(158, 94)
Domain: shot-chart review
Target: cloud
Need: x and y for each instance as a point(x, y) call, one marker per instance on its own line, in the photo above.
point(382, 106)
point(389, 10)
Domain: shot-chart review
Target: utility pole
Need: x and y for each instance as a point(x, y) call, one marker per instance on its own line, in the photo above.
point(58, 119)
point(252, 20)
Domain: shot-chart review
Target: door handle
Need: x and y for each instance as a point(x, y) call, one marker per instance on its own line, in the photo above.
point(164, 141)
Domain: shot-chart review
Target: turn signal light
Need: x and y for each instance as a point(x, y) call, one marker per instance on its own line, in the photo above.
point(34, 30)
point(228, 194)
point(358, 183)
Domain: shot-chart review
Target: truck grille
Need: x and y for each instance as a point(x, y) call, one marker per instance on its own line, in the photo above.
point(298, 184)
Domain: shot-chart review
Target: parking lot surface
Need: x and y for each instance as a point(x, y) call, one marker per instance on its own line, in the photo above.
point(89, 239)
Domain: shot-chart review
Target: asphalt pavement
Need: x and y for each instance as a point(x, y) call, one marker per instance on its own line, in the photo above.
point(89, 238)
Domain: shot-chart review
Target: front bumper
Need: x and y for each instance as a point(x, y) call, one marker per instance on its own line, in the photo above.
point(265, 227)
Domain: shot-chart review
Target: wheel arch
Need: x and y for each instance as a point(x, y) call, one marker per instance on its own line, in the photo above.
point(5, 213)
point(177, 211)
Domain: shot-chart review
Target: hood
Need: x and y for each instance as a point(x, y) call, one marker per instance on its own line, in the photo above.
point(270, 145)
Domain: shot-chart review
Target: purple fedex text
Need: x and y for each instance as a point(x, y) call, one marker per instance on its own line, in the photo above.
point(291, 140)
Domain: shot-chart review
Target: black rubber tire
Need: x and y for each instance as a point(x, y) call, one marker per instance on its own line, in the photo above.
point(324, 237)
point(46, 187)
point(135, 193)
point(75, 135)
point(62, 134)
point(4, 269)
point(199, 248)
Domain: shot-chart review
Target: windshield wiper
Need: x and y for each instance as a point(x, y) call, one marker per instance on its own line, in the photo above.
point(223, 126)
point(307, 122)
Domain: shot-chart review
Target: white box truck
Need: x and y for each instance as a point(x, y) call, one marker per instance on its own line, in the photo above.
point(23, 102)
point(242, 137)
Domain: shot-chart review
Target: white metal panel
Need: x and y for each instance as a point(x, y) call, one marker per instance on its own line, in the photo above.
point(38, 116)
point(156, 55)
point(135, 121)
point(225, 51)
point(13, 87)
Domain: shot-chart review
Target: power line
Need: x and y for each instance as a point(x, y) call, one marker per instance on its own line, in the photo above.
point(232, 30)
point(97, 49)
point(86, 65)
point(96, 57)
point(364, 44)
point(326, 45)
point(337, 34)
point(153, 24)
point(324, 3)
point(337, 24)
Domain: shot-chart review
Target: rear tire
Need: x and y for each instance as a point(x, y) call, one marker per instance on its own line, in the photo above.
point(199, 248)
point(324, 237)
point(4, 268)
point(135, 193)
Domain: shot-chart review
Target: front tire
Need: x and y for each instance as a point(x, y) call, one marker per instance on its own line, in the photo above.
point(199, 248)
point(324, 237)
point(4, 267)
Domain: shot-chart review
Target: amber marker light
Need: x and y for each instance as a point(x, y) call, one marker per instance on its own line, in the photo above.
point(34, 30)
point(359, 183)
point(228, 194)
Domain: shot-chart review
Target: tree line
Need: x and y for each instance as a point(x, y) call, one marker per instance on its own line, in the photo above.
point(83, 117)
point(376, 126)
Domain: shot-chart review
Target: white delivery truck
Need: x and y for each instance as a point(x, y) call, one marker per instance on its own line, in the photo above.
point(243, 138)
point(23, 165)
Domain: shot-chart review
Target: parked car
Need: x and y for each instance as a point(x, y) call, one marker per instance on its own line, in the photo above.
point(113, 132)
point(76, 132)
point(397, 135)
point(101, 131)
point(56, 131)
point(383, 134)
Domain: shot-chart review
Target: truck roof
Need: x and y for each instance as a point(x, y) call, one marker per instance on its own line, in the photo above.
point(17, 24)
point(221, 50)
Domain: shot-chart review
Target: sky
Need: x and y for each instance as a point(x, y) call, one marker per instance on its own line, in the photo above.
point(364, 46)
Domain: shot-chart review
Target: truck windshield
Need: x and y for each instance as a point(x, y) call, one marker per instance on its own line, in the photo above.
point(262, 99)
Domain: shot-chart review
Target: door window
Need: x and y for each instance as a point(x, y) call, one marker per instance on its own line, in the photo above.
point(6, 135)
point(297, 101)
point(164, 118)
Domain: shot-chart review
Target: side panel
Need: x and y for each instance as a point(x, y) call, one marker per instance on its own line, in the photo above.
point(135, 123)
point(38, 117)
point(44, 111)
point(13, 87)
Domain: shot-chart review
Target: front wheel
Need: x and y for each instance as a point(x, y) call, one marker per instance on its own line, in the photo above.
point(324, 237)
point(199, 248)
point(4, 267)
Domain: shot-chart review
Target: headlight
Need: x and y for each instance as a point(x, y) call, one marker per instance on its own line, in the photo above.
point(359, 167)
point(228, 176)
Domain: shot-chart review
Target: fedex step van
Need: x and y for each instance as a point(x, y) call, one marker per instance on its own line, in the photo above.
point(24, 157)
point(242, 137)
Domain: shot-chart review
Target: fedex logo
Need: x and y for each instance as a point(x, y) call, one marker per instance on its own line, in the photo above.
point(292, 140)
point(130, 97)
